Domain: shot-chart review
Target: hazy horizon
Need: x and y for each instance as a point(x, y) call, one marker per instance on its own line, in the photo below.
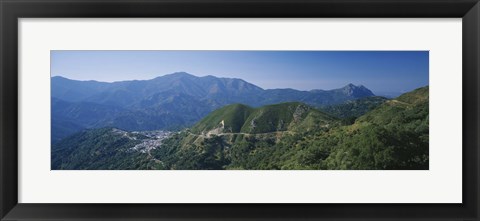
point(382, 72)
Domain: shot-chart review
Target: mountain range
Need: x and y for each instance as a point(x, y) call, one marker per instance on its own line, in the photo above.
point(391, 134)
point(171, 101)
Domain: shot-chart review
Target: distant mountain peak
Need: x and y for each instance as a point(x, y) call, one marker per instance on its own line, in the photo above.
point(350, 85)
point(356, 91)
point(179, 74)
point(58, 77)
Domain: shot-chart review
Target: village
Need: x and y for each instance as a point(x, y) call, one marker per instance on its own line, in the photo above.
point(155, 140)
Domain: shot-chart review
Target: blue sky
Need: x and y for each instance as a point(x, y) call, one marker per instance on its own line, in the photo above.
point(380, 71)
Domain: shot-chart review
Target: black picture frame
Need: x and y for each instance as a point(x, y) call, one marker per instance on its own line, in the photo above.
point(11, 10)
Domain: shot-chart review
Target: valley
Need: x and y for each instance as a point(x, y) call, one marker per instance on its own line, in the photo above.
point(171, 102)
point(381, 134)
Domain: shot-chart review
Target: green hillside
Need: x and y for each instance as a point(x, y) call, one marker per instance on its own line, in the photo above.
point(233, 117)
point(101, 149)
point(393, 135)
point(224, 139)
point(354, 108)
point(238, 118)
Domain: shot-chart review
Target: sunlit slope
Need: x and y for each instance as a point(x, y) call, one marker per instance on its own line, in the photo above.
point(238, 118)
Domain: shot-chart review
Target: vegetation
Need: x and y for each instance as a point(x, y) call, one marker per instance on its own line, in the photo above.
point(101, 149)
point(354, 108)
point(239, 118)
point(393, 135)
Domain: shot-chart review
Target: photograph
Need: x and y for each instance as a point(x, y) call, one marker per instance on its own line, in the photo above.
point(239, 110)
